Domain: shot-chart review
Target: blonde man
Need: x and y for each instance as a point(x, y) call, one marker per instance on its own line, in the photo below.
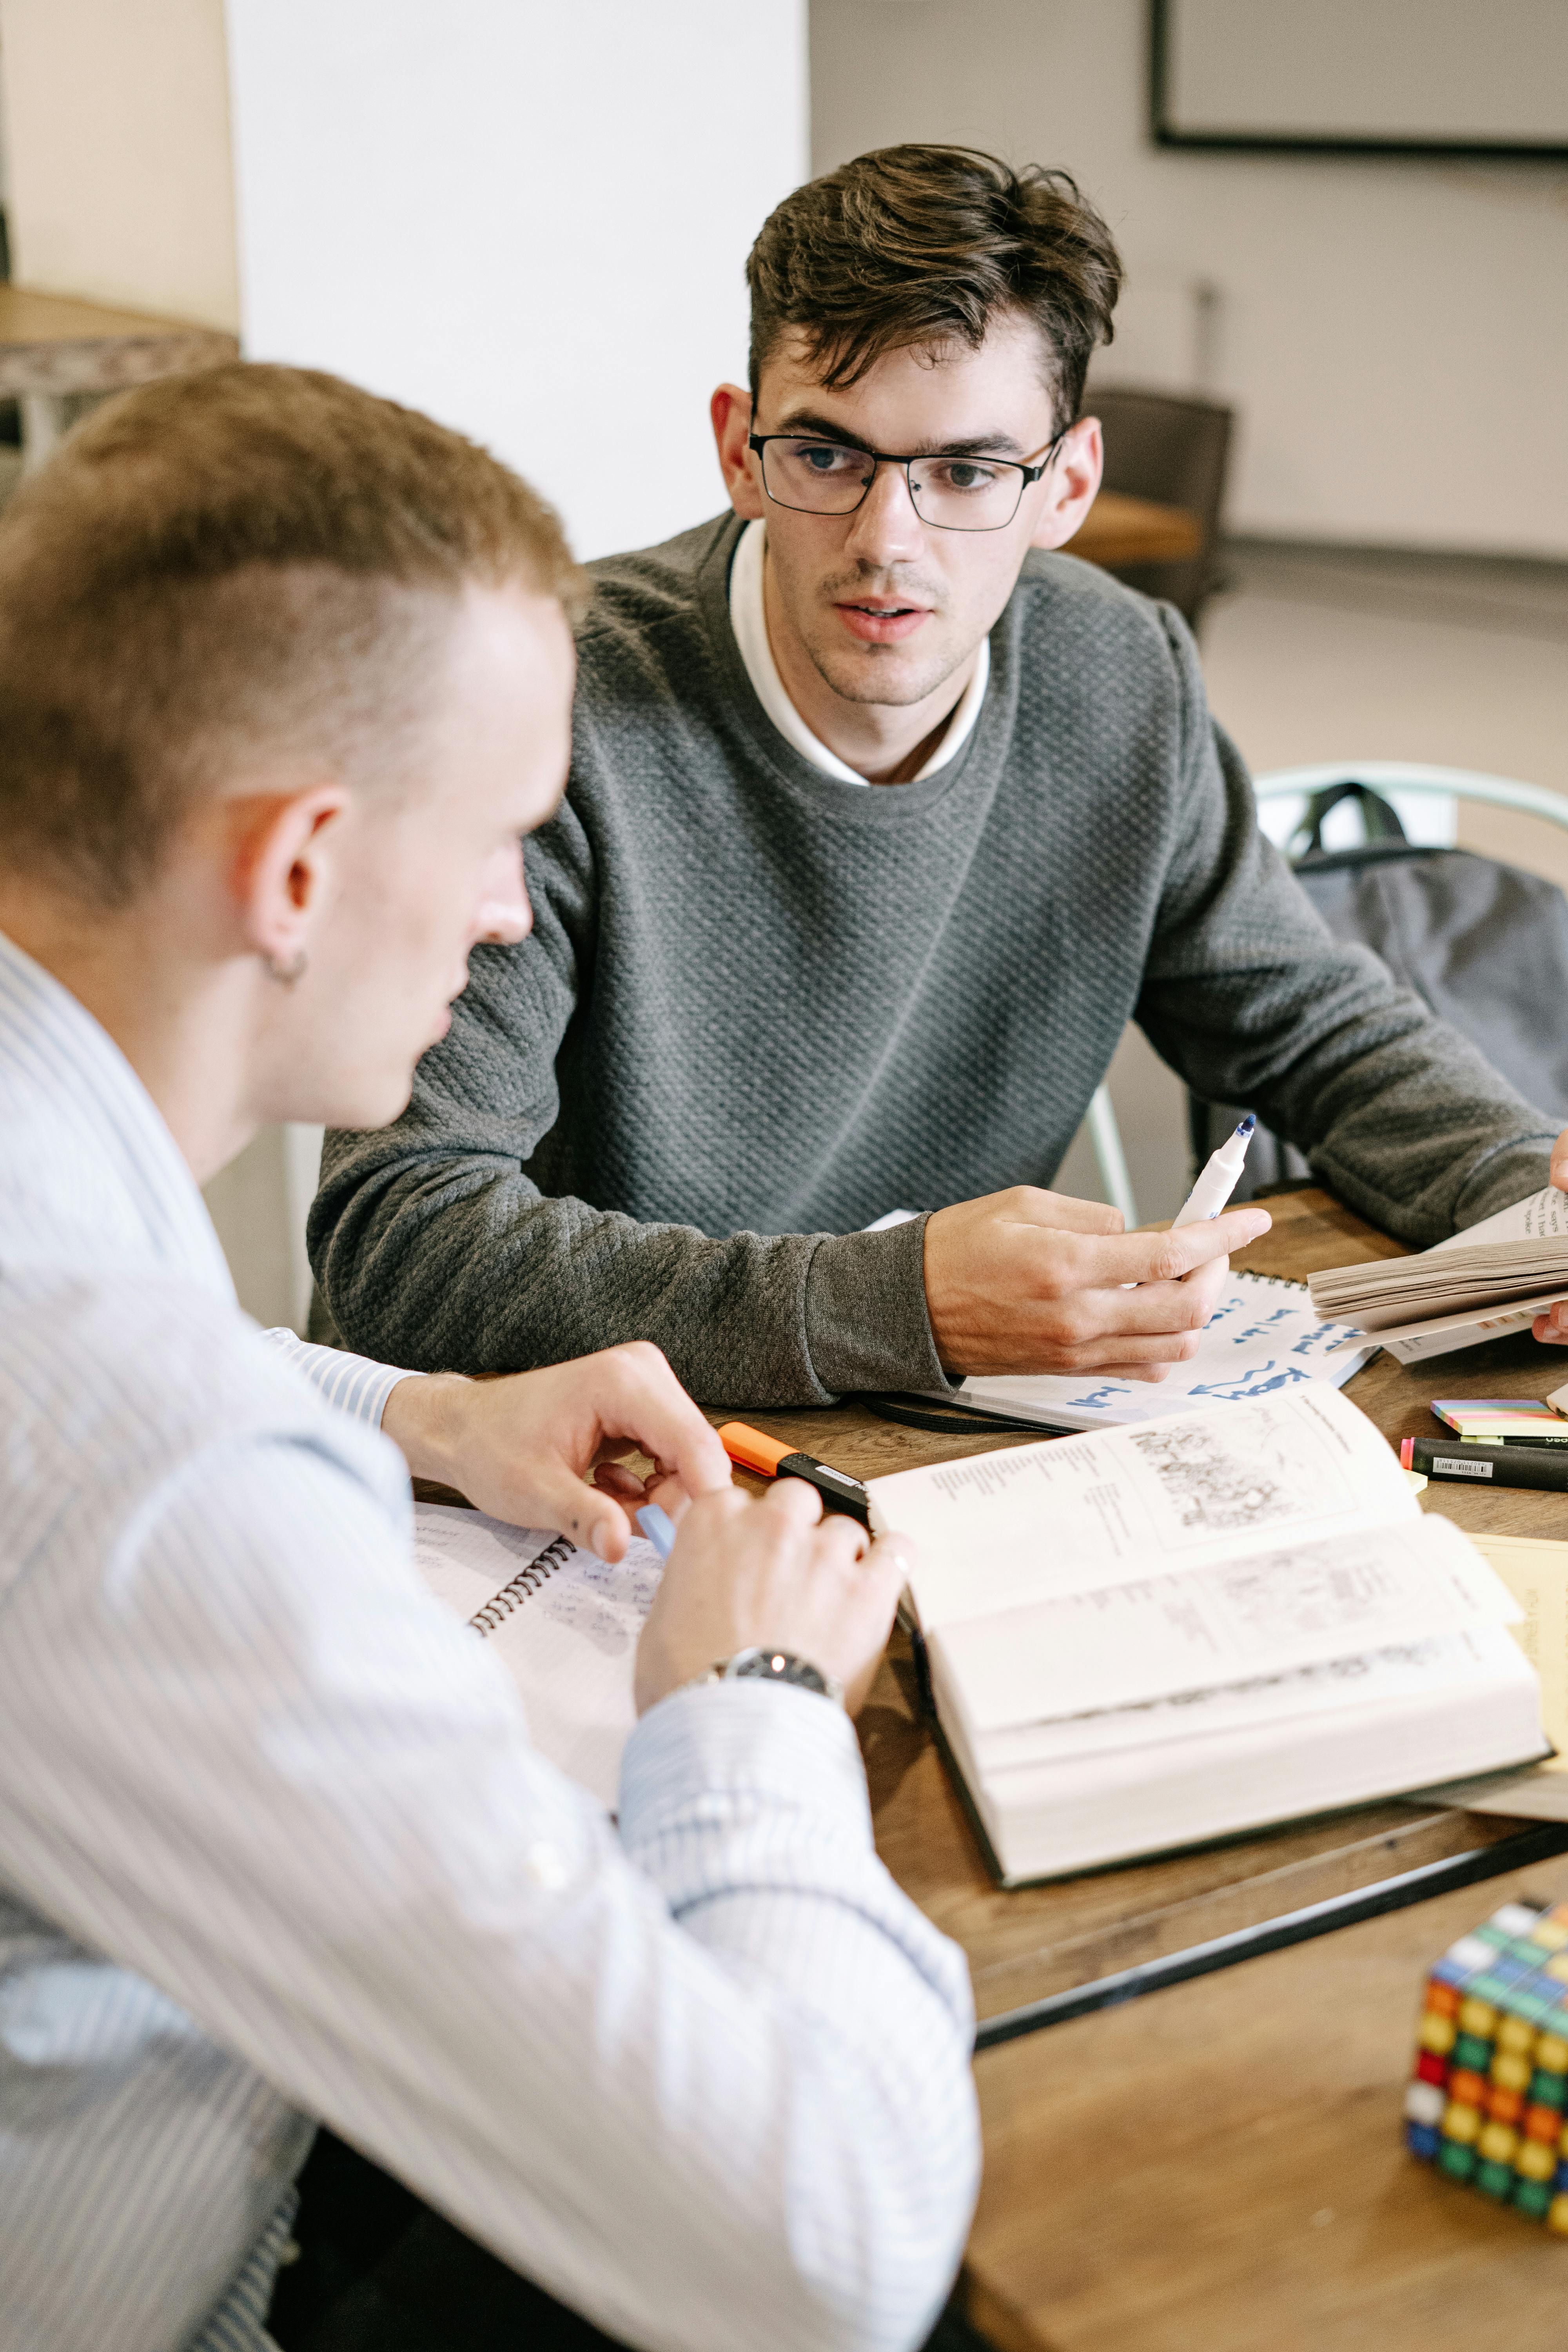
point(285, 676)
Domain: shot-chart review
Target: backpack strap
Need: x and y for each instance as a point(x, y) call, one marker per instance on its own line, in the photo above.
point(1379, 819)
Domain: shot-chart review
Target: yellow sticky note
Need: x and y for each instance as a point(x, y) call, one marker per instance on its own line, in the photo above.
point(1536, 1572)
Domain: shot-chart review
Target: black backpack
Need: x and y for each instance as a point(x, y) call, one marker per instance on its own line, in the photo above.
point(1484, 945)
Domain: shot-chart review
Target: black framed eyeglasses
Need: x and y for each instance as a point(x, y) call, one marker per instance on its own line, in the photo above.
point(950, 492)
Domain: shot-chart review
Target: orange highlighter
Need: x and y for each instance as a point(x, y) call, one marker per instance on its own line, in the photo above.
point(769, 1459)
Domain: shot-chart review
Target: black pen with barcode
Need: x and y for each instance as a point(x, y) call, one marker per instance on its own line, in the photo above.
point(1483, 1465)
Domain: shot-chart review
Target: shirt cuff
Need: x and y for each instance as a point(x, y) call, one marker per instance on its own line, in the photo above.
point(353, 1384)
point(867, 1324)
point(705, 1764)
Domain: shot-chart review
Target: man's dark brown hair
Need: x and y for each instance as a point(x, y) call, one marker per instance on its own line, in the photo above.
point(926, 245)
point(255, 567)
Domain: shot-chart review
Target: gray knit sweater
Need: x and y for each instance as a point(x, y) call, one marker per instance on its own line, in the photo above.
point(761, 1006)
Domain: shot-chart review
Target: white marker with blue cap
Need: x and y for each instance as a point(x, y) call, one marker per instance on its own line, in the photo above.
point(1219, 1179)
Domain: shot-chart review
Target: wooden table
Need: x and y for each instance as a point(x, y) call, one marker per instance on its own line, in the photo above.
point(1219, 2168)
point(1118, 530)
point(1038, 1955)
point(1216, 2165)
point(52, 345)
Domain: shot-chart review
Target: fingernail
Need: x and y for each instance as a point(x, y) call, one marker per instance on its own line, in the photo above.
point(600, 1539)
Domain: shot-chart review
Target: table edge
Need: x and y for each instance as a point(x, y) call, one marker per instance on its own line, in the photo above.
point(1538, 1843)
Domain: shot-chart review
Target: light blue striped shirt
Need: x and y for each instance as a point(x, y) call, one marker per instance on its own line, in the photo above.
point(274, 1846)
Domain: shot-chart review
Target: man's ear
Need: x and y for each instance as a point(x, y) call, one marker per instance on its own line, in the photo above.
point(282, 862)
point(1071, 484)
point(731, 410)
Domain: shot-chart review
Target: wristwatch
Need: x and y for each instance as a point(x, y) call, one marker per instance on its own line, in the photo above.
point(771, 1666)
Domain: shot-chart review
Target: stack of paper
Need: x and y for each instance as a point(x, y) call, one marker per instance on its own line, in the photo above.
point(1501, 1420)
point(1535, 1570)
point(1480, 1284)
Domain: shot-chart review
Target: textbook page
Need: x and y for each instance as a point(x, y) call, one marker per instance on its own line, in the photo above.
point(1164, 1635)
point(1078, 1514)
point(563, 1623)
point(1542, 1218)
point(1454, 1663)
point(1265, 1336)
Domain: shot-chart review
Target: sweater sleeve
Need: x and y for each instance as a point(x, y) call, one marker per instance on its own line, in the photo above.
point(435, 1249)
point(1251, 1000)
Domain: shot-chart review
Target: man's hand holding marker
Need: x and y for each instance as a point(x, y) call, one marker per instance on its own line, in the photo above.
point(1028, 1281)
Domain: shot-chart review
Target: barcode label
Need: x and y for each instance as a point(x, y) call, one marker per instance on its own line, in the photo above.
point(1457, 1469)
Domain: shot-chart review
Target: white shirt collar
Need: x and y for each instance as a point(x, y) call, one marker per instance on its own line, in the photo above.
point(749, 621)
point(89, 1170)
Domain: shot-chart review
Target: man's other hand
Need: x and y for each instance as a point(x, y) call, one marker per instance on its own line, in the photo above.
point(773, 1575)
point(1552, 1327)
point(540, 1448)
point(1026, 1281)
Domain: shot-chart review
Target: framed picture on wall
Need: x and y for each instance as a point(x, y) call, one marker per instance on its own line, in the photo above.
point(1419, 78)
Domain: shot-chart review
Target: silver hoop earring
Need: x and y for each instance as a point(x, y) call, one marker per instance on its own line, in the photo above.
point(287, 974)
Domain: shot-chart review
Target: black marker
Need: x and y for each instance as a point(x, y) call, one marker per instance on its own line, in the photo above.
point(1486, 1465)
point(769, 1459)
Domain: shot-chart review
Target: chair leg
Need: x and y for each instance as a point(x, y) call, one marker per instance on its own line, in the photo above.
point(1111, 1160)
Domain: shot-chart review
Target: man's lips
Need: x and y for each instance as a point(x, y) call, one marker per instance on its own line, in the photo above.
point(880, 621)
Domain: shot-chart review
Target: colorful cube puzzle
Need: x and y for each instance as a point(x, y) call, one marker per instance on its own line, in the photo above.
point(1486, 2103)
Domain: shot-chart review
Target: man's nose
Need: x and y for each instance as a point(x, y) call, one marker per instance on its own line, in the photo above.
point(885, 528)
point(504, 915)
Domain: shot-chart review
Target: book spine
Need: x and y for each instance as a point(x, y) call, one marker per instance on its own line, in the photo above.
point(540, 1570)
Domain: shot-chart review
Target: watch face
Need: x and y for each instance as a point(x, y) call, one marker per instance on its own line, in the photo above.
point(780, 1666)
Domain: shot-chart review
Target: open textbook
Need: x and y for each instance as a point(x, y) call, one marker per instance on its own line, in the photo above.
point(563, 1623)
point(1482, 1283)
point(1263, 1338)
point(1186, 1628)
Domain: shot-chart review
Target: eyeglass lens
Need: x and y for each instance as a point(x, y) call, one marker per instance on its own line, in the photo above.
point(955, 493)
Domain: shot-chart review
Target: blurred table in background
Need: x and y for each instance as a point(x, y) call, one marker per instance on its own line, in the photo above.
point(52, 347)
point(1118, 531)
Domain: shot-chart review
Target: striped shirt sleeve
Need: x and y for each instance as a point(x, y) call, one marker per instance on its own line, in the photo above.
point(706, 2079)
point(353, 1384)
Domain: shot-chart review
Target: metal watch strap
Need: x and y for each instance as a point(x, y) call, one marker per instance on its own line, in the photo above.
point(771, 1666)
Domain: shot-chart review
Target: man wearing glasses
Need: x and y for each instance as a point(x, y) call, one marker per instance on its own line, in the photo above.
point(884, 819)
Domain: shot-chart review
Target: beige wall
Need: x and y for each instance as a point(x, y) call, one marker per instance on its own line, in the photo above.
point(121, 181)
point(1394, 334)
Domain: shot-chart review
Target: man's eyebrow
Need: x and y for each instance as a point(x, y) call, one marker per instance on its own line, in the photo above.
point(808, 427)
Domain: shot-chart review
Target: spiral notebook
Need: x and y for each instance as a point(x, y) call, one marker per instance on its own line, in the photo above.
point(1264, 1339)
point(562, 1621)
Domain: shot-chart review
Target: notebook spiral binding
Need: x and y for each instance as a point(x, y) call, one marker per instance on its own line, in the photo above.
point(540, 1570)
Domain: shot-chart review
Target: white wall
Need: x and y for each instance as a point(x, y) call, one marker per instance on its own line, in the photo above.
point(120, 186)
point(528, 218)
point(1394, 334)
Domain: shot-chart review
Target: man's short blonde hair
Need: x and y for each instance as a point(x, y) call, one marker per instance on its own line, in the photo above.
point(249, 567)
